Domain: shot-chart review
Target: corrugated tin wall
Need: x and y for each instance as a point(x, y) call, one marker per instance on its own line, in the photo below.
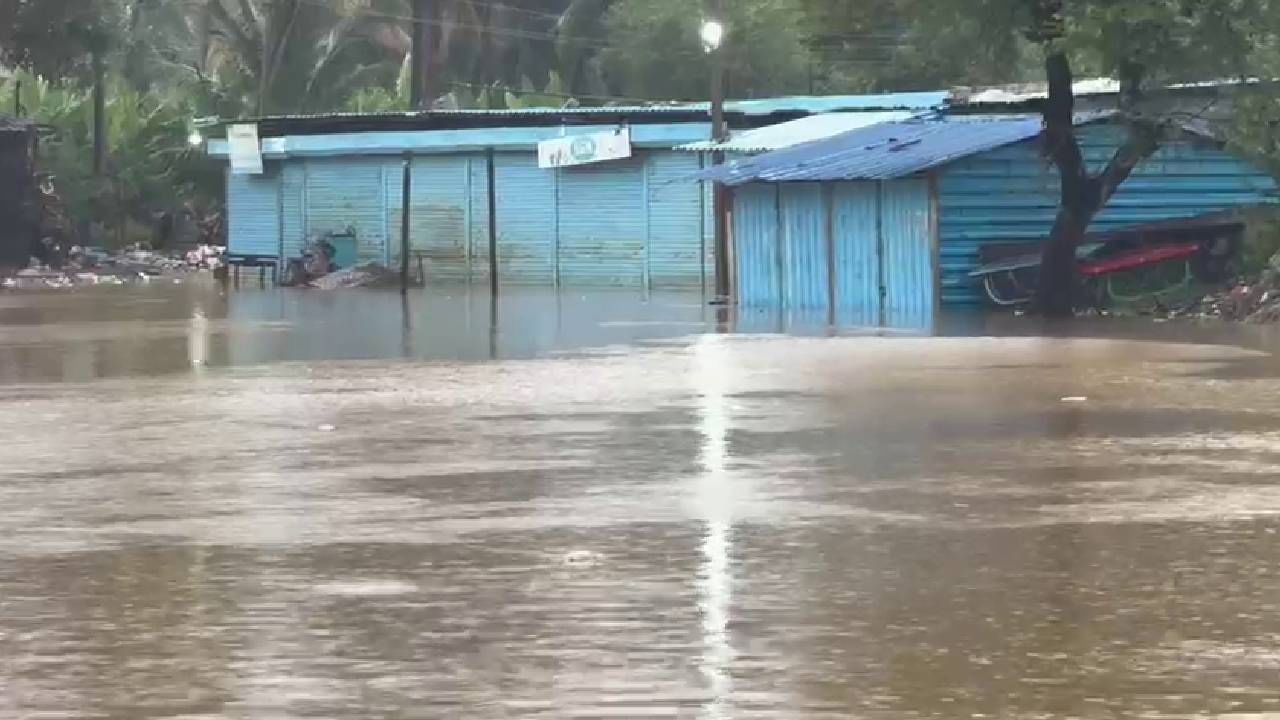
point(1011, 195)
point(755, 245)
point(637, 222)
point(882, 269)
point(253, 209)
point(855, 217)
point(805, 272)
point(906, 253)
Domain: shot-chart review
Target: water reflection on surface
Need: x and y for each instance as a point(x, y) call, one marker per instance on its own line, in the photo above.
point(272, 504)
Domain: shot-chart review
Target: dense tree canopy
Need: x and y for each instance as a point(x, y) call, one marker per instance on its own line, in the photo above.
point(183, 59)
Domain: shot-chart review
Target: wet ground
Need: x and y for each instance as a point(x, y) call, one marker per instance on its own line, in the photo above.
point(293, 505)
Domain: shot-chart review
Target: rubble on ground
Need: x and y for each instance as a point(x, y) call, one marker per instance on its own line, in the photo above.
point(1254, 300)
point(85, 267)
point(369, 275)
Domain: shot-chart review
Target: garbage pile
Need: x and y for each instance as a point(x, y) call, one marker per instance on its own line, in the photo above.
point(1254, 300)
point(83, 267)
point(370, 275)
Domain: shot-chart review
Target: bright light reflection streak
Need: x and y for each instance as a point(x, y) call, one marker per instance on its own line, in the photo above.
point(715, 507)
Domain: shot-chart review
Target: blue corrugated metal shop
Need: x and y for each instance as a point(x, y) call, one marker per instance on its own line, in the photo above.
point(624, 222)
point(883, 224)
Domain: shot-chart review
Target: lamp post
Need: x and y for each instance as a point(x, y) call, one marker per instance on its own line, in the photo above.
point(712, 34)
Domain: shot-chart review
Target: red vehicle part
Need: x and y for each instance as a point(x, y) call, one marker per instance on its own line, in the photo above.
point(1139, 258)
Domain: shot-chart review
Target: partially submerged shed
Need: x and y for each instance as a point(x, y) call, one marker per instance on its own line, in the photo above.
point(624, 221)
point(883, 224)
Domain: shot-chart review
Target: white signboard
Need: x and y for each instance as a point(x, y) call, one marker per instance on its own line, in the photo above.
point(584, 149)
point(245, 151)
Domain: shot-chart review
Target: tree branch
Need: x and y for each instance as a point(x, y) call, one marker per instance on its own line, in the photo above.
point(1143, 141)
point(1060, 130)
point(248, 48)
point(282, 42)
point(251, 14)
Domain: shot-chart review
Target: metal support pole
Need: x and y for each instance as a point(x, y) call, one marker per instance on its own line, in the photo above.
point(406, 205)
point(493, 226)
point(492, 180)
point(719, 133)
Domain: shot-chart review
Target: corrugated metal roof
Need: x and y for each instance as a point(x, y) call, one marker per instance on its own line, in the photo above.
point(798, 105)
point(814, 104)
point(1019, 94)
point(1012, 95)
point(886, 151)
point(671, 108)
point(795, 132)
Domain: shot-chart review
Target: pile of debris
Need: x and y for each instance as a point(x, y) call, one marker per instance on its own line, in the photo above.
point(1254, 300)
point(370, 275)
point(83, 267)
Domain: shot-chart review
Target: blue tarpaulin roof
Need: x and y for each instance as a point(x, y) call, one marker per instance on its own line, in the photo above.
point(885, 151)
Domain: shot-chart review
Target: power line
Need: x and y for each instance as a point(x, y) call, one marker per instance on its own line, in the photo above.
point(593, 43)
point(505, 6)
point(482, 29)
point(575, 96)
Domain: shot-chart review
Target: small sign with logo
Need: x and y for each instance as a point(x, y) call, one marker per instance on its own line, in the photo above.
point(245, 150)
point(584, 149)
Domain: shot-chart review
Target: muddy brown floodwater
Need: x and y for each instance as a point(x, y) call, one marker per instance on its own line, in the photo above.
point(294, 505)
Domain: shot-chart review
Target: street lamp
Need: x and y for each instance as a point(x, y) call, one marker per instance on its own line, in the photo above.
point(712, 34)
point(195, 139)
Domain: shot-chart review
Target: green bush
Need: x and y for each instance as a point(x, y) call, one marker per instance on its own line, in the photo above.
point(151, 167)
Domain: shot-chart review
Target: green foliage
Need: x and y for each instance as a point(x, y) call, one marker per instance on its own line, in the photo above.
point(891, 45)
point(55, 37)
point(170, 61)
point(151, 168)
point(1261, 242)
point(655, 51)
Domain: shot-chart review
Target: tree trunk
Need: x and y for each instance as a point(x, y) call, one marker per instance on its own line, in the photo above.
point(1082, 194)
point(421, 93)
point(1056, 294)
point(99, 113)
point(264, 64)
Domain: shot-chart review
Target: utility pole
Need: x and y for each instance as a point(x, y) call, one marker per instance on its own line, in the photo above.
point(420, 80)
point(99, 111)
point(713, 31)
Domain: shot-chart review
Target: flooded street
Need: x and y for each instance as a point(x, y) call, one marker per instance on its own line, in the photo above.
point(273, 504)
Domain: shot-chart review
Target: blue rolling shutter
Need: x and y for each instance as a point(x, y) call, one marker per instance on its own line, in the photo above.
point(677, 243)
point(293, 195)
point(349, 193)
point(602, 224)
point(253, 209)
point(526, 219)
